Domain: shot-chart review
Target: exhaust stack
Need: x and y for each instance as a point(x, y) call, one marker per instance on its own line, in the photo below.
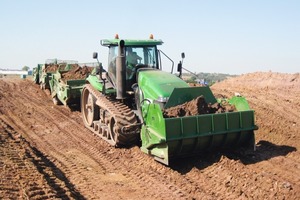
point(121, 72)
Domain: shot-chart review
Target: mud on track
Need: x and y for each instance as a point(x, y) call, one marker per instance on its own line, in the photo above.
point(47, 153)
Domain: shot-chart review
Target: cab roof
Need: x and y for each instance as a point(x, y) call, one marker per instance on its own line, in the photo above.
point(129, 42)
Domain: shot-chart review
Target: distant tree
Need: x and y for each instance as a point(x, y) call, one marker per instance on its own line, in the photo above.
point(25, 68)
point(191, 80)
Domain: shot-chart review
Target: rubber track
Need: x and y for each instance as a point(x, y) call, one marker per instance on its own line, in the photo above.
point(123, 116)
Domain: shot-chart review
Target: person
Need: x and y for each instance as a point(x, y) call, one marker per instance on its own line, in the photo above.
point(132, 59)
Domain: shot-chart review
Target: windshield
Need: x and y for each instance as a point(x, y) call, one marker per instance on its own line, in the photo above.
point(137, 57)
point(144, 55)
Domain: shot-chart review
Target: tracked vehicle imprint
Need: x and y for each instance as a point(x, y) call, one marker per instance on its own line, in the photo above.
point(107, 118)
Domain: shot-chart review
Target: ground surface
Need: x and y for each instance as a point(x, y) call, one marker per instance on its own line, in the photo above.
point(45, 151)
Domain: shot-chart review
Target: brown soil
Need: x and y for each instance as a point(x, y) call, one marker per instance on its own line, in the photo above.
point(50, 68)
point(45, 151)
point(196, 106)
point(53, 67)
point(77, 73)
point(196, 85)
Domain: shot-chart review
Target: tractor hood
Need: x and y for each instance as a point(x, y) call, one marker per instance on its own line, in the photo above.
point(158, 85)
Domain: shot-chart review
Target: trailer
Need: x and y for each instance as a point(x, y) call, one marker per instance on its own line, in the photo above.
point(66, 85)
point(43, 72)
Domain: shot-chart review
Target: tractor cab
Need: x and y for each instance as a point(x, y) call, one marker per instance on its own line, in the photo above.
point(133, 55)
point(136, 57)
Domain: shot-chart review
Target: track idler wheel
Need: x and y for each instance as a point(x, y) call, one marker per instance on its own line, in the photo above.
point(89, 109)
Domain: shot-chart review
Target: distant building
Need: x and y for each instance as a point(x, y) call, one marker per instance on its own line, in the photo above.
point(13, 72)
point(201, 81)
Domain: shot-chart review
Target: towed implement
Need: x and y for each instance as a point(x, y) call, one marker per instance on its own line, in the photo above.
point(36, 73)
point(43, 73)
point(66, 85)
point(125, 105)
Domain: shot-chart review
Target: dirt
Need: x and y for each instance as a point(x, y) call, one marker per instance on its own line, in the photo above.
point(196, 85)
point(46, 153)
point(77, 73)
point(197, 106)
point(50, 68)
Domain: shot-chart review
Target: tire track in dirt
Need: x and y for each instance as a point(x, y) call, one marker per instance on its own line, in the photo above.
point(98, 170)
point(111, 163)
point(155, 174)
point(47, 146)
point(149, 177)
point(93, 152)
point(56, 147)
point(26, 173)
point(174, 180)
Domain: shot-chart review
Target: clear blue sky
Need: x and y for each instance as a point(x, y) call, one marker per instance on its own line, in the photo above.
point(226, 36)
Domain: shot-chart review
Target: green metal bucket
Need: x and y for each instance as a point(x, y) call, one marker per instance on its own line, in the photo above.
point(190, 135)
point(176, 137)
point(169, 138)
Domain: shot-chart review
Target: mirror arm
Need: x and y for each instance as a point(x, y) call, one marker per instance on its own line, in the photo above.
point(100, 67)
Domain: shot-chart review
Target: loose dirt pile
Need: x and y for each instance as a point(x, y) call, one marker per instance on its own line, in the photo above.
point(77, 73)
point(195, 107)
point(51, 68)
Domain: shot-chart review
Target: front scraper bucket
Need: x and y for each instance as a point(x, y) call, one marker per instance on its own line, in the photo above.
point(169, 138)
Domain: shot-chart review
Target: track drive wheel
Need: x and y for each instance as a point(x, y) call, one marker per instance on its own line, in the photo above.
point(89, 109)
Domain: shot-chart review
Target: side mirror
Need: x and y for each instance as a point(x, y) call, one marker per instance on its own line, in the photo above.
point(95, 55)
point(182, 55)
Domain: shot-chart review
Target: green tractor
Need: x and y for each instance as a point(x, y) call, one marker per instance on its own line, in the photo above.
point(124, 106)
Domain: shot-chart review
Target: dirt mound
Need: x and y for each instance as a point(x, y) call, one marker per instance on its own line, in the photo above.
point(50, 68)
point(77, 73)
point(265, 80)
point(195, 107)
point(275, 97)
